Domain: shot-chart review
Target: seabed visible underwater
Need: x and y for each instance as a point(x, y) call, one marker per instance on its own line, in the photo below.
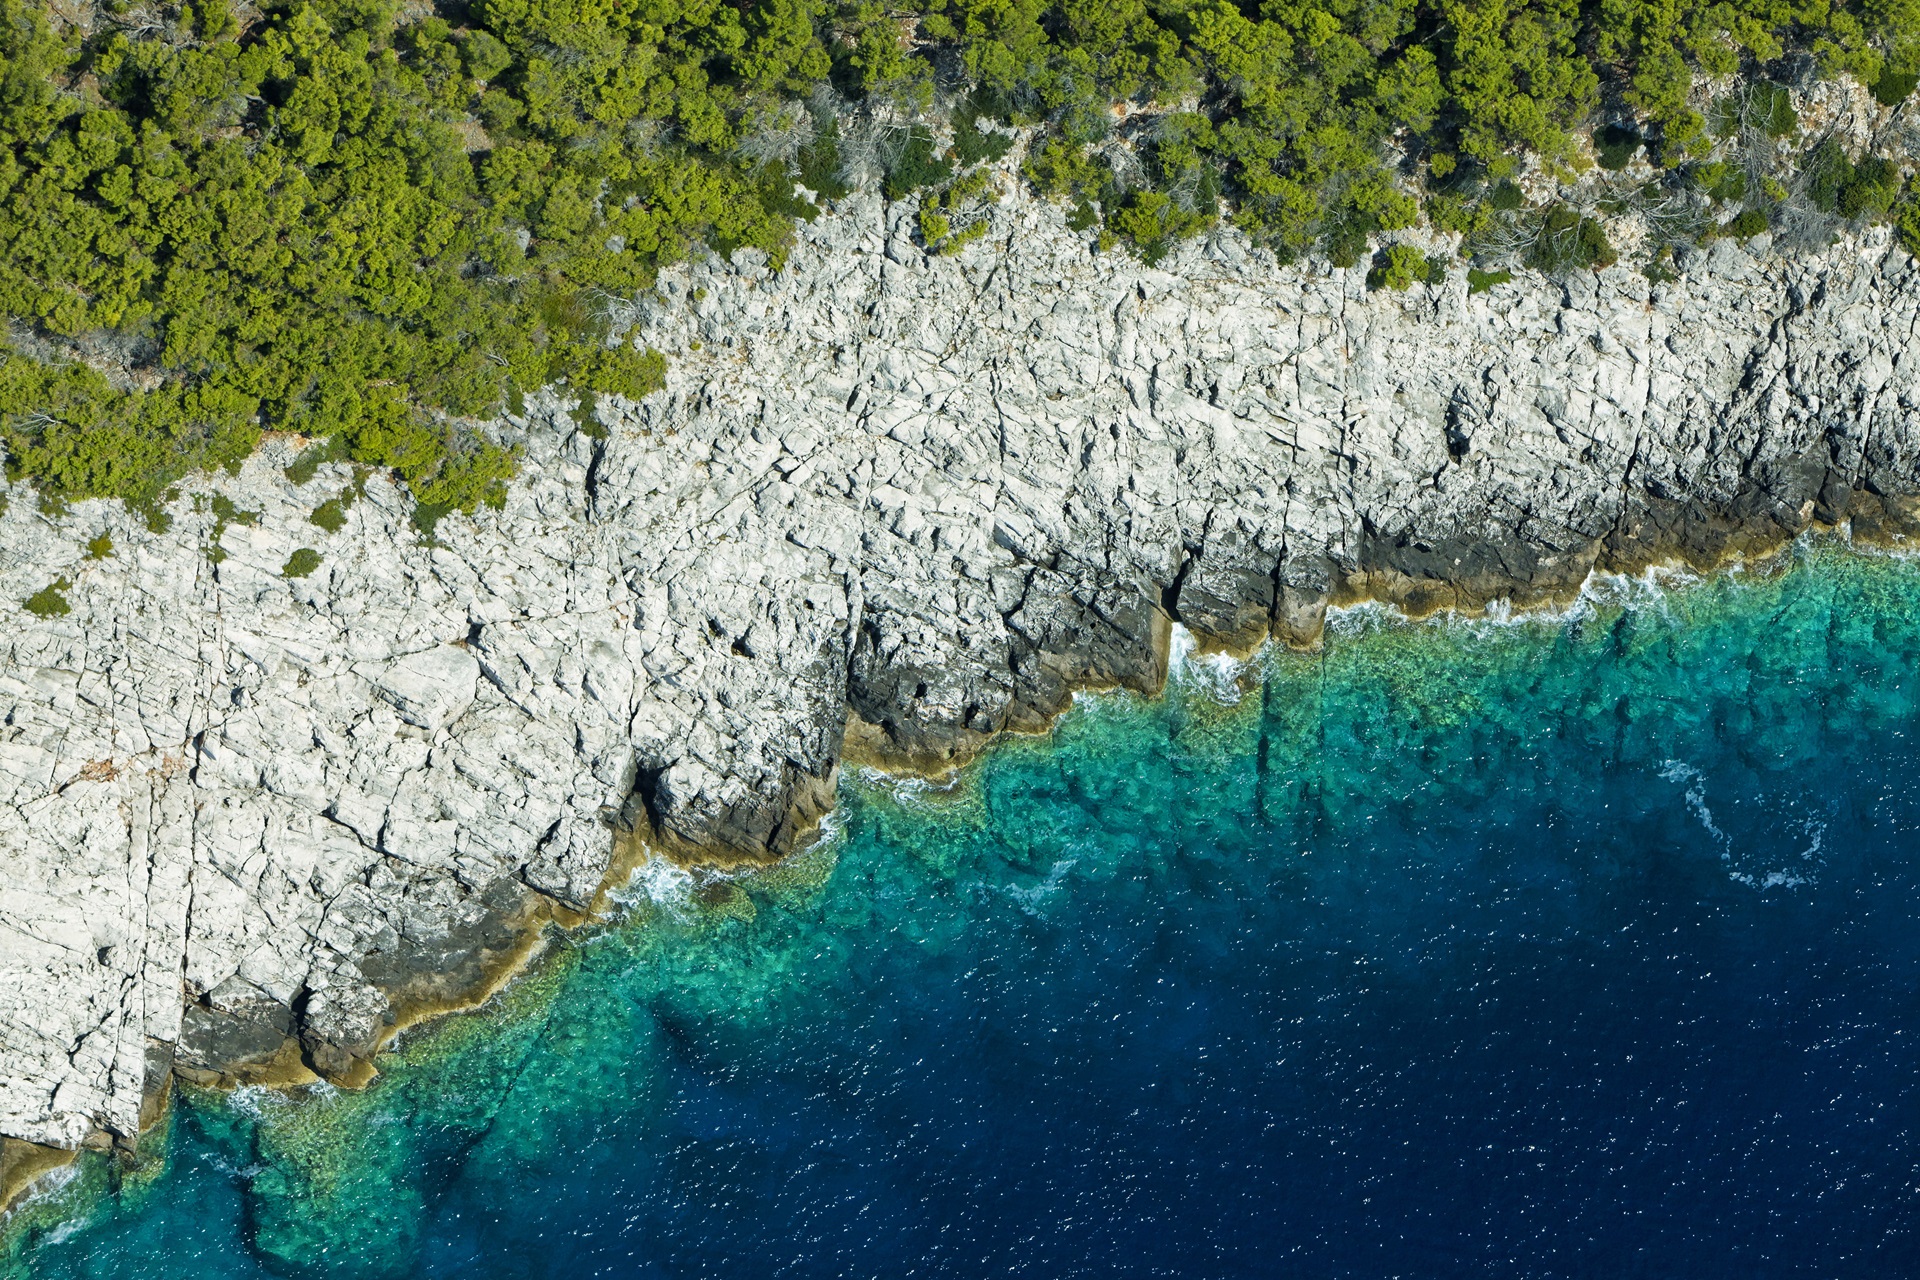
point(1583, 944)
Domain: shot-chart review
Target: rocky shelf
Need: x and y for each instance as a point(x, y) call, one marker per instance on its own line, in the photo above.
point(889, 506)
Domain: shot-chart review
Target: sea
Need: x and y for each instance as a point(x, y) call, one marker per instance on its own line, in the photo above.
point(1582, 943)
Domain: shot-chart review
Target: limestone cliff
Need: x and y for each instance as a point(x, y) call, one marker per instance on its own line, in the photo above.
point(888, 504)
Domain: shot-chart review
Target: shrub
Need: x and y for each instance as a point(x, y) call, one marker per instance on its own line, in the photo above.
point(1778, 117)
point(1762, 105)
point(1747, 224)
point(1870, 189)
point(330, 515)
point(50, 601)
point(972, 144)
point(1892, 88)
point(226, 512)
point(916, 166)
point(484, 55)
point(1398, 267)
point(940, 209)
point(1614, 146)
point(620, 370)
point(1567, 241)
point(1345, 240)
point(1479, 281)
point(1835, 183)
point(1824, 172)
point(427, 516)
point(99, 548)
point(301, 563)
point(819, 164)
point(1721, 181)
point(1457, 215)
point(307, 465)
point(1154, 221)
point(1906, 226)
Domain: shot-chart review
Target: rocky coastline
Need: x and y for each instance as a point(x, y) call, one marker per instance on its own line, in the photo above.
point(889, 506)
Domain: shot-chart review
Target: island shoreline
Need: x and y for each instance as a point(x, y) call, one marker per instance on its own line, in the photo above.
point(23, 1165)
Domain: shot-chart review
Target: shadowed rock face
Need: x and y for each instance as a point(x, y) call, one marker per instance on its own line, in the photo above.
point(217, 1042)
point(890, 507)
point(1061, 631)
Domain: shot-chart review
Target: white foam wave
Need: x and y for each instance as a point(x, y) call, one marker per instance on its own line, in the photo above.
point(906, 789)
point(1649, 590)
point(1180, 647)
point(1215, 676)
point(55, 1181)
point(1811, 857)
point(1030, 897)
point(833, 829)
point(1218, 676)
point(659, 883)
point(49, 1186)
point(1350, 620)
point(257, 1102)
point(1696, 796)
point(1815, 831)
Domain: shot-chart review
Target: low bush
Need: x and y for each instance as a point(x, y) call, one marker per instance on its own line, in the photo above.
point(1614, 146)
point(1893, 87)
point(50, 601)
point(330, 515)
point(1398, 267)
point(1568, 241)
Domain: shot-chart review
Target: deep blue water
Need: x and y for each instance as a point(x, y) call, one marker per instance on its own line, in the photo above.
point(1586, 946)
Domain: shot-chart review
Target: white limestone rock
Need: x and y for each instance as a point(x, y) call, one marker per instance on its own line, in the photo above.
point(430, 689)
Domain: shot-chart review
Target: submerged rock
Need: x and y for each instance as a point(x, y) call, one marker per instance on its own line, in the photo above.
point(889, 505)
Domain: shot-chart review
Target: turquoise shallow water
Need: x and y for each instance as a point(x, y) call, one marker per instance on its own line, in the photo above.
point(1579, 946)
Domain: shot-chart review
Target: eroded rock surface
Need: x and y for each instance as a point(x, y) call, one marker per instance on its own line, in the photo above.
point(889, 504)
